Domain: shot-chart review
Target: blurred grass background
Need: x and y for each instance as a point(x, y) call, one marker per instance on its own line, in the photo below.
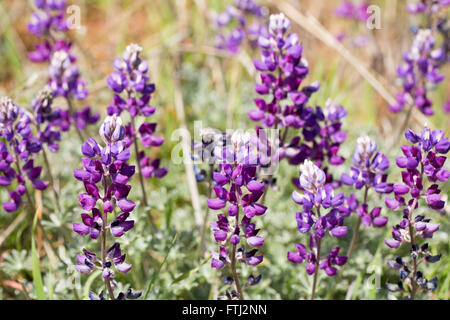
point(177, 37)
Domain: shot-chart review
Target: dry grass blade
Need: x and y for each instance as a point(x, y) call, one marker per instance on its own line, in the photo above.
point(310, 24)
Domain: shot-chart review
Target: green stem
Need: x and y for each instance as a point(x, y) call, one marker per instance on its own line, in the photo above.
point(52, 181)
point(316, 271)
point(72, 112)
point(233, 264)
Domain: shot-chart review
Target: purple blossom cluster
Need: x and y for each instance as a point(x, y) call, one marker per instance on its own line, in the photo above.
point(422, 161)
point(237, 188)
point(353, 11)
point(318, 195)
point(64, 76)
point(247, 21)
point(369, 171)
point(421, 70)
point(16, 155)
point(105, 168)
point(283, 70)
point(130, 78)
point(356, 13)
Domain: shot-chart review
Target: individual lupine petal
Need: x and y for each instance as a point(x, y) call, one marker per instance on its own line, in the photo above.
point(294, 257)
point(310, 268)
point(435, 202)
point(220, 179)
point(339, 232)
point(391, 203)
point(216, 204)
point(220, 235)
point(123, 267)
point(255, 241)
point(120, 225)
point(380, 221)
point(443, 175)
point(401, 189)
point(255, 186)
point(392, 243)
point(126, 205)
point(86, 201)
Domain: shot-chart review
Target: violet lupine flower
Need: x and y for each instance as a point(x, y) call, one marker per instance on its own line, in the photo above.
point(283, 69)
point(16, 154)
point(249, 20)
point(369, 171)
point(238, 190)
point(426, 7)
point(423, 161)
point(352, 11)
point(420, 72)
point(105, 168)
point(317, 195)
point(64, 76)
point(131, 78)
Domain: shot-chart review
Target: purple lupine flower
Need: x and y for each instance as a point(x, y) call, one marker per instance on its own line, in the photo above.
point(130, 78)
point(16, 154)
point(105, 168)
point(352, 11)
point(238, 190)
point(249, 20)
point(64, 76)
point(421, 69)
point(318, 195)
point(423, 170)
point(282, 68)
point(369, 172)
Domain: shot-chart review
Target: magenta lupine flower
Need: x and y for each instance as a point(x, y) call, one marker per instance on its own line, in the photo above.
point(318, 195)
point(421, 69)
point(248, 21)
point(130, 78)
point(353, 11)
point(16, 154)
point(64, 76)
point(105, 176)
point(318, 133)
point(423, 170)
point(237, 192)
point(369, 171)
point(426, 7)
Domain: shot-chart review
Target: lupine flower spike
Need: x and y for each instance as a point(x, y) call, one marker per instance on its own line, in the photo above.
point(249, 17)
point(48, 23)
point(238, 190)
point(423, 171)
point(130, 78)
point(283, 69)
point(313, 221)
point(105, 176)
point(16, 155)
point(368, 172)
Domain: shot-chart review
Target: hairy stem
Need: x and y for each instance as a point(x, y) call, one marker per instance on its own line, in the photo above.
point(52, 181)
point(105, 221)
point(233, 264)
point(316, 271)
point(72, 112)
point(411, 235)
